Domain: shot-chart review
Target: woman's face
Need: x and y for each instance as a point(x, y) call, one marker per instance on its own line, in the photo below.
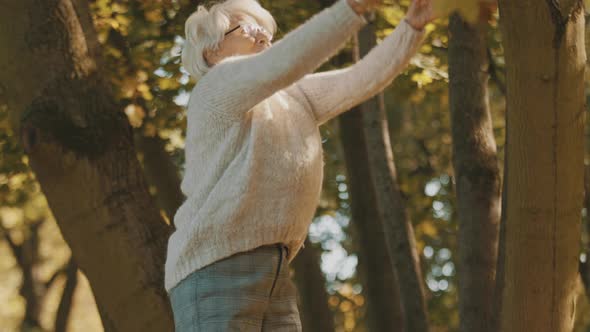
point(242, 40)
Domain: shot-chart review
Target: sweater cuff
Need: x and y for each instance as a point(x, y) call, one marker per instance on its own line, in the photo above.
point(345, 15)
point(405, 21)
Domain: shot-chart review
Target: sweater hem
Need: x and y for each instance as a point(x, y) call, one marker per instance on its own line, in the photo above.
point(214, 253)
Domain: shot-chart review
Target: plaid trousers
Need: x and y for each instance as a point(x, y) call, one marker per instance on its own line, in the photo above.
point(248, 291)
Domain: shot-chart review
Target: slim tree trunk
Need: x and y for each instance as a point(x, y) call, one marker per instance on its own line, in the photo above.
point(391, 206)
point(65, 304)
point(80, 147)
point(501, 254)
point(34, 291)
point(380, 284)
point(476, 172)
point(376, 273)
point(26, 255)
point(311, 286)
point(585, 265)
point(545, 66)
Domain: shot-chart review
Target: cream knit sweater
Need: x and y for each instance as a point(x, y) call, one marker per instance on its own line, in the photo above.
point(254, 159)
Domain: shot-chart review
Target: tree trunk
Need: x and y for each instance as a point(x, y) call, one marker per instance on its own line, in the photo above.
point(65, 304)
point(380, 284)
point(476, 172)
point(160, 172)
point(501, 254)
point(391, 206)
point(584, 268)
point(545, 66)
point(80, 146)
point(311, 286)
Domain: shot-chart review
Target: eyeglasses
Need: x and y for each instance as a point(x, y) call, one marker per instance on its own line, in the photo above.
point(252, 30)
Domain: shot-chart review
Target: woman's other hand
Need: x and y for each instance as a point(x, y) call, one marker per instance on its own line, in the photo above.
point(420, 13)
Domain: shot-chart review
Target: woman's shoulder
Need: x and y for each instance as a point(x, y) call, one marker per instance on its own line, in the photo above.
point(202, 115)
point(225, 69)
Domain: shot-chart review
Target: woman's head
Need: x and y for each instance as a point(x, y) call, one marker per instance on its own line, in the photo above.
point(231, 27)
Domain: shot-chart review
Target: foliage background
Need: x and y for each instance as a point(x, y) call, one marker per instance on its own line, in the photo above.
point(142, 41)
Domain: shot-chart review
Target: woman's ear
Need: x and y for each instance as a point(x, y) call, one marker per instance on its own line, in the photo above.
point(209, 55)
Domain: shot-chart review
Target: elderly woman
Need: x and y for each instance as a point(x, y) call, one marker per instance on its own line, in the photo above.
point(254, 160)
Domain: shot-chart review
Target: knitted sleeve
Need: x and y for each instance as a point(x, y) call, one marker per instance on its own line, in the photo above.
point(333, 92)
point(239, 82)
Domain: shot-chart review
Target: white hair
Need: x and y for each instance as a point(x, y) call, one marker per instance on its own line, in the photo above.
point(205, 29)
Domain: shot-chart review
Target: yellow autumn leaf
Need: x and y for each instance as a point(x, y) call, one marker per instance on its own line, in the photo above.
point(359, 300)
point(468, 9)
point(119, 8)
point(154, 15)
point(142, 87)
point(135, 114)
point(427, 228)
point(166, 83)
point(422, 78)
point(345, 306)
point(142, 76)
point(144, 90)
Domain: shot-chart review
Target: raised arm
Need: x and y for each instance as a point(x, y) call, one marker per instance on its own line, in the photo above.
point(333, 92)
point(237, 83)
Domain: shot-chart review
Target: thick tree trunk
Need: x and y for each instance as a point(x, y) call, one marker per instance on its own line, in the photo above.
point(476, 172)
point(375, 270)
point(80, 147)
point(391, 206)
point(545, 66)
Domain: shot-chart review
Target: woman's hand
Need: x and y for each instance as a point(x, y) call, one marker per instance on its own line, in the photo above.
point(420, 13)
point(366, 5)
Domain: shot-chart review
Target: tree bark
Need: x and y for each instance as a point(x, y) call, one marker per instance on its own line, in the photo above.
point(476, 172)
point(584, 268)
point(311, 287)
point(501, 254)
point(161, 172)
point(65, 304)
point(380, 284)
point(81, 150)
point(545, 67)
point(26, 255)
point(375, 271)
point(391, 206)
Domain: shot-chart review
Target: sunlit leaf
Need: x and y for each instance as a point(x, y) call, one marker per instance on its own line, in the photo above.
point(135, 114)
point(468, 9)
